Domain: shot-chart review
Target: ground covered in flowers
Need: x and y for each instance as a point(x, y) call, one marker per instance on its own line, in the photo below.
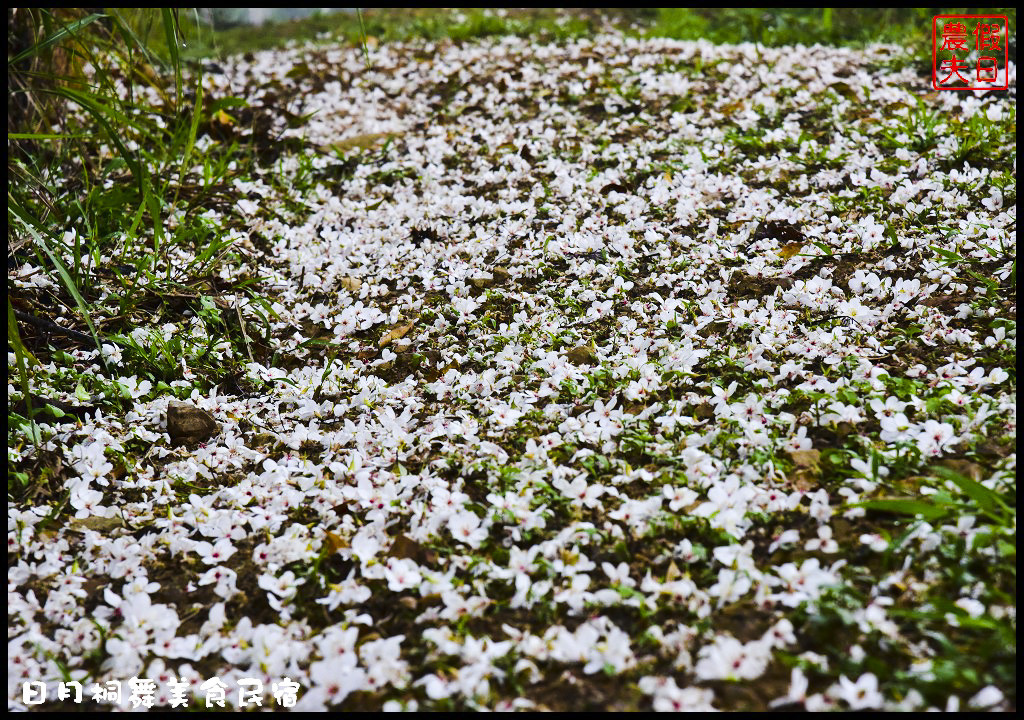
point(609, 374)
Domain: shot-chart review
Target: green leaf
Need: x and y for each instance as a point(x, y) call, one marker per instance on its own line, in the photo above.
point(949, 255)
point(170, 18)
point(21, 354)
point(14, 339)
point(192, 132)
point(988, 501)
point(66, 31)
point(907, 506)
point(43, 136)
point(822, 246)
point(71, 288)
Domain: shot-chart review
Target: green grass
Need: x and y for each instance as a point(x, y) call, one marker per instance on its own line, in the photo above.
point(855, 27)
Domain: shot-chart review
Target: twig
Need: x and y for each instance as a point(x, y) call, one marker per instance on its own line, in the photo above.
point(50, 326)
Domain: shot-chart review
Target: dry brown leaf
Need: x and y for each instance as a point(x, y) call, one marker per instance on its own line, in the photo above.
point(968, 469)
point(335, 542)
point(789, 250)
point(406, 547)
point(96, 523)
point(807, 471)
point(364, 142)
point(805, 458)
point(397, 332)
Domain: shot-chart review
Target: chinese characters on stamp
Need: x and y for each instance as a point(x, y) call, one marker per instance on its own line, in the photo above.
point(970, 52)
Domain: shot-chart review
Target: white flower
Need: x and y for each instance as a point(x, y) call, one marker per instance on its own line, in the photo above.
point(465, 527)
point(875, 541)
point(987, 697)
point(401, 574)
point(679, 497)
point(797, 690)
point(860, 695)
point(729, 659)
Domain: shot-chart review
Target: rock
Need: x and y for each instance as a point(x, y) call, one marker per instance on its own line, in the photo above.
point(582, 355)
point(188, 424)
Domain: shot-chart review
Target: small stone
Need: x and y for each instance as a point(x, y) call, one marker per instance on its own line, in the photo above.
point(581, 355)
point(188, 424)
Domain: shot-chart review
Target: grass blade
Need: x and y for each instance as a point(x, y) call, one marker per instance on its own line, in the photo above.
point(66, 31)
point(902, 506)
point(171, 34)
point(73, 290)
point(988, 501)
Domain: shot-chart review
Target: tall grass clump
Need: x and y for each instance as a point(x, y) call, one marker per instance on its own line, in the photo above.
point(107, 190)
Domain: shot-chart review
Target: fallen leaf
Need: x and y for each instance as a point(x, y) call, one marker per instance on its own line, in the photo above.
point(407, 548)
point(363, 142)
point(397, 332)
point(335, 542)
point(968, 469)
point(789, 250)
point(805, 458)
point(96, 524)
point(807, 471)
point(222, 118)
